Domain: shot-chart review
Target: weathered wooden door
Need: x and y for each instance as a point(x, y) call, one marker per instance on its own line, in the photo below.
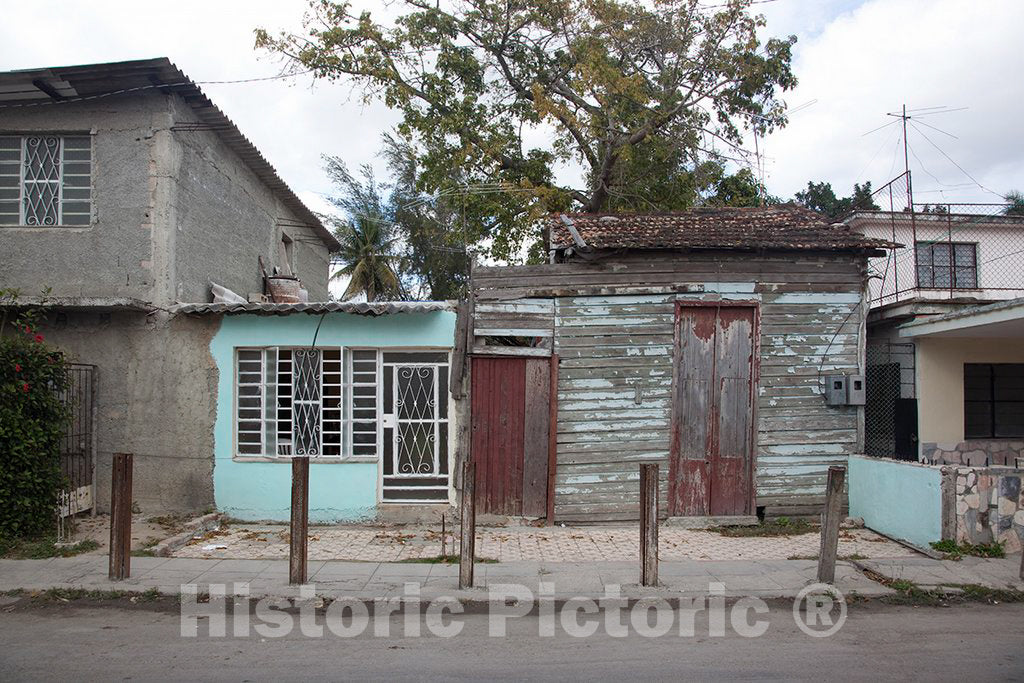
point(509, 415)
point(712, 460)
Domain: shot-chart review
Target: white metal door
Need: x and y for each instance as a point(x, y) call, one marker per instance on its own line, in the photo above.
point(415, 426)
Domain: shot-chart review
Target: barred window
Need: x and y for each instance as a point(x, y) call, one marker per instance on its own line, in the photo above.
point(45, 180)
point(945, 265)
point(306, 402)
point(993, 400)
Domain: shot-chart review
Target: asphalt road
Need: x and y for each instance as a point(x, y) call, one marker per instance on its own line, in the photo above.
point(877, 642)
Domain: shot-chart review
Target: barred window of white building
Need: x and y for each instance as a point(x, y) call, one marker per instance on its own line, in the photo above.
point(45, 180)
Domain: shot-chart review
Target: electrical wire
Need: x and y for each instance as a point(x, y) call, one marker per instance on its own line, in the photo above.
point(950, 159)
point(123, 91)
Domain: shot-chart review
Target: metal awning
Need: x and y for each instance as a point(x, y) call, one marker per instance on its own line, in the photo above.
point(313, 307)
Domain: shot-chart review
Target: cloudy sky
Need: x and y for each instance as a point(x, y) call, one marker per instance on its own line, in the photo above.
point(856, 60)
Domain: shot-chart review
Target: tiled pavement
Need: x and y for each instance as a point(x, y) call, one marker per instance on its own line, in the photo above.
point(518, 544)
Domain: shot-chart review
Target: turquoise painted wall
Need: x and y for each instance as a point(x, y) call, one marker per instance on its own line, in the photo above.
point(338, 491)
point(899, 499)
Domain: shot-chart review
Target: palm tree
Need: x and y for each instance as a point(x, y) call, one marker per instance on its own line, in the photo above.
point(368, 254)
point(369, 240)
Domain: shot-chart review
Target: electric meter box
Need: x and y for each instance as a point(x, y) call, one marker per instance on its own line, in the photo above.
point(844, 390)
point(835, 390)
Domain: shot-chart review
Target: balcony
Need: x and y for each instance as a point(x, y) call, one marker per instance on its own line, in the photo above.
point(949, 253)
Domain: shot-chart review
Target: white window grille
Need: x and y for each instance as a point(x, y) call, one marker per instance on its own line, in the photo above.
point(45, 180)
point(361, 409)
point(293, 401)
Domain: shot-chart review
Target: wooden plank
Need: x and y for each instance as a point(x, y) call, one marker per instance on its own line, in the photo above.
point(649, 525)
point(830, 525)
point(552, 437)
point(458, 370)
point(482, 331)
point(513, 351)
point(536, 437)
point(299, 528)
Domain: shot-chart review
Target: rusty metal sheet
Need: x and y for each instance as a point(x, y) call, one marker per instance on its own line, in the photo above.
point(498, 404)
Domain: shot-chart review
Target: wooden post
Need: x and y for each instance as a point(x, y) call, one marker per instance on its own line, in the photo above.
point(830, 524)
point(467, 528)
point(120, 517)
point(1022, 561)
point(552, 438)
point(299, 534)
point(649, 525)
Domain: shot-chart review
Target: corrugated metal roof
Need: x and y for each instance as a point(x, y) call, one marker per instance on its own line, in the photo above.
point(83, 302)
point(785, 226)
point(90, 81)
point(373, 309)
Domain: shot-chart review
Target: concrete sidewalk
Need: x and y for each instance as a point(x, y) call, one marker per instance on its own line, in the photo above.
point(371, 580)
point(925, 572)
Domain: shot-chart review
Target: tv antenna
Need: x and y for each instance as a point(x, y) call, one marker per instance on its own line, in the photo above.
point(915, 114)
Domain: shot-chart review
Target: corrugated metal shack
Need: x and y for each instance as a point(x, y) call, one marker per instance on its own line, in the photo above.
point(697, 340)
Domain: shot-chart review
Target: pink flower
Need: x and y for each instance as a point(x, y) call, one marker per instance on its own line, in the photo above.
point(39, 337)
point(24, 387)
point(17, 368)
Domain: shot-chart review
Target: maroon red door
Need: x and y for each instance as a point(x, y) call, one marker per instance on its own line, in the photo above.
point(712, 457)
point(509, 416)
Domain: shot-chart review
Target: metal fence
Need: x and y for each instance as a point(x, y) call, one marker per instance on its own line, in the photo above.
point(78, 447)
point(948, 250)
point(890, 409)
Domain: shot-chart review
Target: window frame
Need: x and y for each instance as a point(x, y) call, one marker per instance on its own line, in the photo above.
point(264, 385)
point(951, 268)
point(62, 201)
point(346, 354)
point(992, 402)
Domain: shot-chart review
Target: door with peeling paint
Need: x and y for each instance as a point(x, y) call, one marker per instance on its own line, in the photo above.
point(711, 472)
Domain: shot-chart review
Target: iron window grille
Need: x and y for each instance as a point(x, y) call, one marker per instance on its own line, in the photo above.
point(289, 402)
point(45, 180)
point(945, 265)
point(993, 400)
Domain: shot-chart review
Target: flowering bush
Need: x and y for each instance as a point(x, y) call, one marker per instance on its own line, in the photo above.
point(32, 421)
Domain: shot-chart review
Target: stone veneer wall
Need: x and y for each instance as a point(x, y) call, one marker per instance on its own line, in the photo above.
point(990, 506)
point(977, 453)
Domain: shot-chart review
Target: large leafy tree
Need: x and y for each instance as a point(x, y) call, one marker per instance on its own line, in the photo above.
point(635, 96)
point(739, 189)
point(822, 198)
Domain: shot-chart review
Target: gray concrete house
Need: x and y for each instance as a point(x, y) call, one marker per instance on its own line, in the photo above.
point(126, 191)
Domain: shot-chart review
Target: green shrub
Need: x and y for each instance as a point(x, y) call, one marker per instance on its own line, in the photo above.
point(32, 421)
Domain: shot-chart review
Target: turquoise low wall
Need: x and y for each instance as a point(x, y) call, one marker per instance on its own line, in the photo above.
point(338, 491)
point(896, 498)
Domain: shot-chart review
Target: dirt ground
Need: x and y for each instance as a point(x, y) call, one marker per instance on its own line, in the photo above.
point(147, 530)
